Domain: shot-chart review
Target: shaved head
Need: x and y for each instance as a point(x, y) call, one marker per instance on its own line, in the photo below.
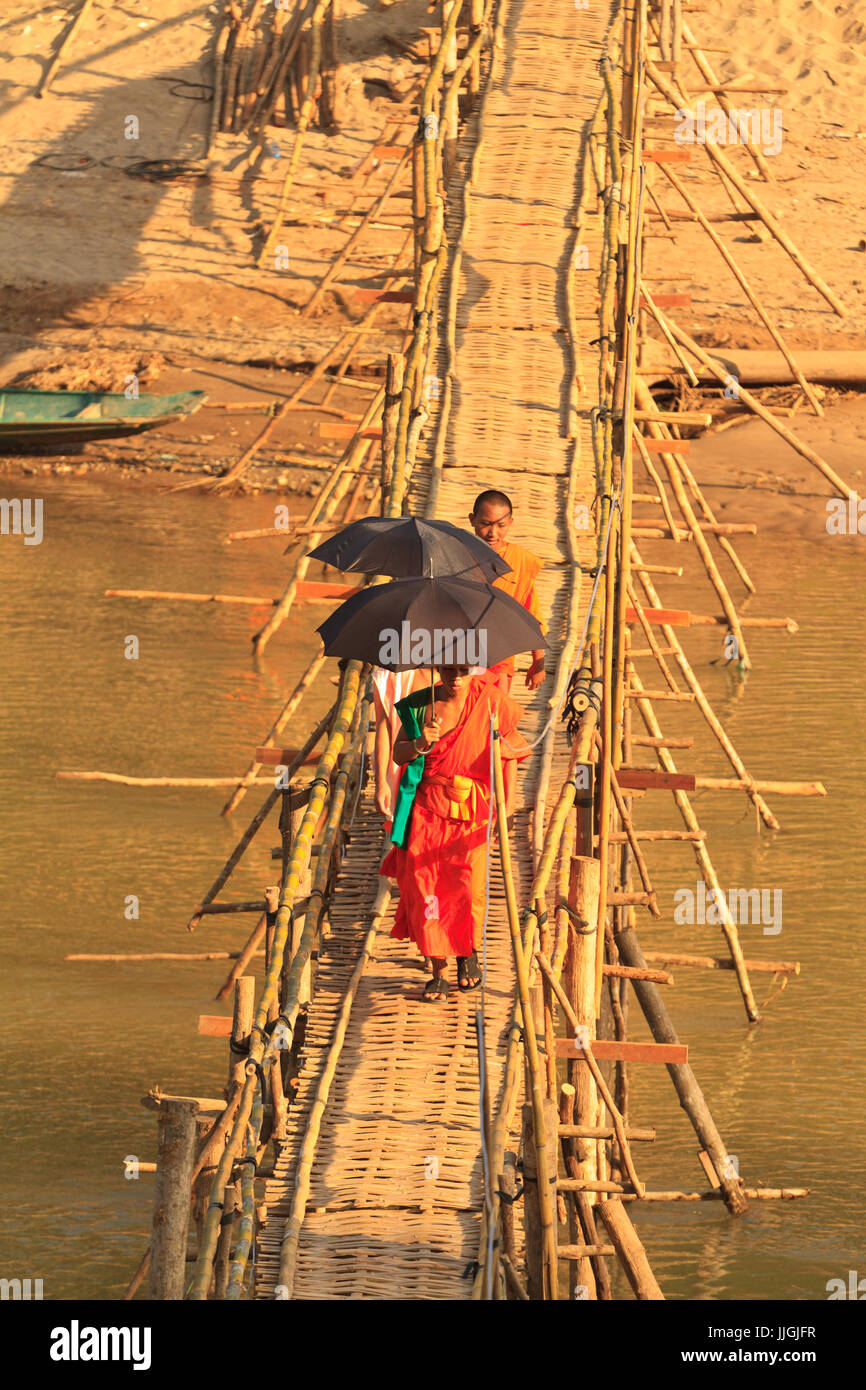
point(496, 499)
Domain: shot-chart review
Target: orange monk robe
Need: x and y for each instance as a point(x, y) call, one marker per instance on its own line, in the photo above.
point(520, 584)
point(441, 872)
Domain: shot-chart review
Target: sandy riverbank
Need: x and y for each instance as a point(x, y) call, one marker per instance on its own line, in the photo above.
point(104, 274)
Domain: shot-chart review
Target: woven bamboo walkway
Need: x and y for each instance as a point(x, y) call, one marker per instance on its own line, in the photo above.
point(396, 1196)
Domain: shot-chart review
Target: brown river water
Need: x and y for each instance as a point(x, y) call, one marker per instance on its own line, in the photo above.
point(83, 1042)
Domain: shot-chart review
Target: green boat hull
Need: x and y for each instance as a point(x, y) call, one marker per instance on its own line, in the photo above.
point(35, 418)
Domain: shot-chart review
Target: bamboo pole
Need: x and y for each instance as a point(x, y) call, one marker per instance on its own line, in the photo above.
point(710, 524)
point(606, 759)
point(700, 540)
point(390, 411)
point(767, 416)
point(257, 822)
point(372, 212)
point(768, 967)
point(668, 337)
point(273, 733)
point(548, 1229)
point(328, 100)
point(685, 1082)
point(234, 1277)
point(171, 1199)
point(706, 709)
point(677, 101)
point(162, 955)
point(629, 1248)
point(219, 77)
point(653, 645)
point(745, 286)
point(631, 837)
point(339, 482)
point(707, 73)
point(624, 399)
point(292, 402)
point(582, 1271)
point(657, 479)
point(579, 977)
point(738, 784)
point(304, 119)
point(122, 780)
point(592, 1064)
point(535, 1180)
point(728, 925)
point(48, 76)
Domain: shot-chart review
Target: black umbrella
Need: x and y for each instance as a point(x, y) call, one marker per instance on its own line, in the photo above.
point(403, 546)
point(419, 622)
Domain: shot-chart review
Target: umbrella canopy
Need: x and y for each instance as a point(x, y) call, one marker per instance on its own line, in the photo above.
point(403, 546)
point(420, 622)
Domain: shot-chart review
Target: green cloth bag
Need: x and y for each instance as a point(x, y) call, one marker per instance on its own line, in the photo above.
point(411, 711)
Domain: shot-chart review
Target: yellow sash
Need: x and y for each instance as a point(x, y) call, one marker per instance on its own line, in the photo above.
point(462, 793)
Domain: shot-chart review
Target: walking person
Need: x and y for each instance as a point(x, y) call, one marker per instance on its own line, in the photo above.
point(439, 835)
point(491, 519)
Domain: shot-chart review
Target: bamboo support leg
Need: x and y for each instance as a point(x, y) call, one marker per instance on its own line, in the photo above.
point(729, 927)
point(690, 1095)
point(171, 1199)
point(535, 1180)
point(703, 703)
point(677, 100)
point(630, 1250)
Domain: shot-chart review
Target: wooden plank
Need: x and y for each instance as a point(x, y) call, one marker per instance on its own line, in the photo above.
point(607, 1050)
point(665, 446)
point(707, 1165)
point(340, 429)
point(645, 779)
point(672, 617)
point(215, 1025)
point(309, 589)
point(387, 152)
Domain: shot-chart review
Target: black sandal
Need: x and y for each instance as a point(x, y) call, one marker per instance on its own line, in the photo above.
point(468, 974)
point(436, 990)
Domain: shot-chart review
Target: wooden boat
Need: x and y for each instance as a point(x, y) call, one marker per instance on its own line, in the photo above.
point(29, 418)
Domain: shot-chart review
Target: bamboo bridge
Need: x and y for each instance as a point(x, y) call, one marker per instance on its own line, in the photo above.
point(370, 1146)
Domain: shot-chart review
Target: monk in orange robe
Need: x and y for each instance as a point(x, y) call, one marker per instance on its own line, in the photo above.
point(491, 519)
point(439, 850)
